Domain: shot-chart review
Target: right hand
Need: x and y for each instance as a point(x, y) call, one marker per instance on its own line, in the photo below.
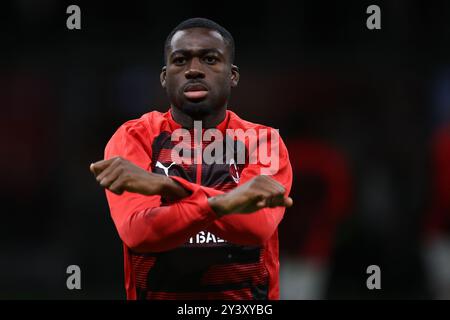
point(119, 175)
point(260, 192)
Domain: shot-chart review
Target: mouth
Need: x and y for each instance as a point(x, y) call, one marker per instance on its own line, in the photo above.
point(195, 91)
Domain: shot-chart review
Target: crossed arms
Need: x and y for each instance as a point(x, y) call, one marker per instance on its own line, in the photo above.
point(249, 214)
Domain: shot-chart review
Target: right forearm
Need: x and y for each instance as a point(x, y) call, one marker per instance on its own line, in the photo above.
point(172, 190)
point(163, 228)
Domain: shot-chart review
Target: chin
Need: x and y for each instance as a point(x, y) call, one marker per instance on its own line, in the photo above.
point(196, 110)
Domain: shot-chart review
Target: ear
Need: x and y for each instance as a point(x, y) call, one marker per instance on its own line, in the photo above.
point(162, 77)
point(234, 76)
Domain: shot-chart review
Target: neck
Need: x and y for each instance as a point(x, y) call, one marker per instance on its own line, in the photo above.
point(208, 121)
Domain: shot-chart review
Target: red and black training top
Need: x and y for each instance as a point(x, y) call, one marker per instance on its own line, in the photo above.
point(182, 250)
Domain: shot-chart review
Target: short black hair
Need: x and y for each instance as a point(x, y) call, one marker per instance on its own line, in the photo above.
point(201, 23)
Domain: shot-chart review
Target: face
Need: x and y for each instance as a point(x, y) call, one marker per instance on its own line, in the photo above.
point(198, 75)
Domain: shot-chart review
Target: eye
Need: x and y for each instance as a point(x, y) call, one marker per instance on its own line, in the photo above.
point(210, 59)
point(179, 60)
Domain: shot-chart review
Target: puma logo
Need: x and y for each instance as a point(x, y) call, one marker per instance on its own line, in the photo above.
point(165, 169)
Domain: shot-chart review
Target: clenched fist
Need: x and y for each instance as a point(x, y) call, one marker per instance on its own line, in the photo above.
point(119, 175)
point(260, 192)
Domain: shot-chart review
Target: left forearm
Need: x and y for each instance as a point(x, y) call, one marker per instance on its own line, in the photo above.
point(254, 229)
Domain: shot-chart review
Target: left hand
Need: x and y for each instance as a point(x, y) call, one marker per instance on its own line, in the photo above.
point(119, 175)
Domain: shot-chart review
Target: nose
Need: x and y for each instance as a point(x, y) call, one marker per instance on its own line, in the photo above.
point(194, 70)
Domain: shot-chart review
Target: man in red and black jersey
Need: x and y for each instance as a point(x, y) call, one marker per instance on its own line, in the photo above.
point(193, 228)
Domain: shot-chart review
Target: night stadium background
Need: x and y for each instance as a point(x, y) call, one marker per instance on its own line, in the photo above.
point(364, 113)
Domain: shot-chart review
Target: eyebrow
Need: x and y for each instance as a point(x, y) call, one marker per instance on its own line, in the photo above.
point(200, 51)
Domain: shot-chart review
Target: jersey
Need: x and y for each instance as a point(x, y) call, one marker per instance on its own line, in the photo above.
point(183, 250)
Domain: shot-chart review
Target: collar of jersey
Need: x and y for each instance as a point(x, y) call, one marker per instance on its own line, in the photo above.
point(222, 126)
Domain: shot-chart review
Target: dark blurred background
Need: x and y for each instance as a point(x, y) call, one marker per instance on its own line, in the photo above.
point(364, 113)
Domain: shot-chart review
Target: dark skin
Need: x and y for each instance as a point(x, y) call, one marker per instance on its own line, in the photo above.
point(198, 60)
point(200, 56)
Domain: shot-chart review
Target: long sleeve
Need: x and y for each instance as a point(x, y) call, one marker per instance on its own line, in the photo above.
point(255, 228)
point(142, 223)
